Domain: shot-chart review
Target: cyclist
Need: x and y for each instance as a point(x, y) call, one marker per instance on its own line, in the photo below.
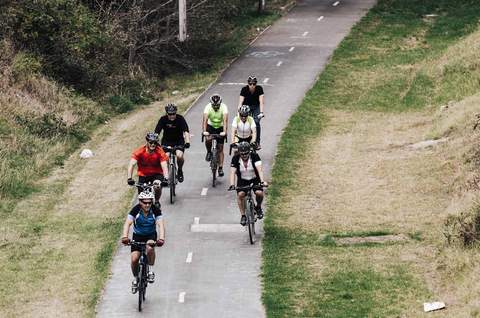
point(148, 227)
point(175, 134)
point(247, 168)
point(215, 121)
point(252, 95)
point(152, 165)
point(243, 126)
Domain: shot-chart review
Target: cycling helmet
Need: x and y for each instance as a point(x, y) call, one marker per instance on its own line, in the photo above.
point(252, 79)
point(146, 195)
point(216, 100)
point(244, 110)
point(151, 137)
point(171, 109)
point(244, 147)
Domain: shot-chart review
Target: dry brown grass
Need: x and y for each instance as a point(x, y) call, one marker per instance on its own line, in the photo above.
point(363, 176)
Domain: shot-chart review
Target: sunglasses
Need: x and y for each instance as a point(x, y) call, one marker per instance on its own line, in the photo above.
point(244, 154)
point(152, 143)
point(146, 202)
point(252, 84)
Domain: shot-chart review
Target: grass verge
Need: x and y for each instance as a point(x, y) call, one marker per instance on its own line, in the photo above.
point(402, 57)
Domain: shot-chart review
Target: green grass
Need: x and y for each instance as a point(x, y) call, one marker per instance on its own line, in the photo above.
point(395, 59)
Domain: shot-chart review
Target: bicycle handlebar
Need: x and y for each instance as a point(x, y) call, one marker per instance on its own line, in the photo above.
point(171, 149)
point(250, 187)
point(134, 243)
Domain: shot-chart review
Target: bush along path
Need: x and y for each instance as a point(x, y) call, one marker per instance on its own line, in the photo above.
point(404, 75)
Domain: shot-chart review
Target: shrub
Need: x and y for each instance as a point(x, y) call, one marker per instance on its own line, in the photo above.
point(463, 228)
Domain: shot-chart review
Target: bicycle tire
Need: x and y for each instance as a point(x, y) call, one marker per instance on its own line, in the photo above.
point(214, 166)
point(140, 287)
point(172, 182)
point(250, 222)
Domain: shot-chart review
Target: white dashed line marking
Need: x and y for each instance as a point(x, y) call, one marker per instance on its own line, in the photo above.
point(279, 63)
point(291, 49)
point(196, 220)
point(266, 80)
point(204, 191)
point(189, 257)
point(320, 18)
point(181, 297)
point(336, 3)
point(305, 33)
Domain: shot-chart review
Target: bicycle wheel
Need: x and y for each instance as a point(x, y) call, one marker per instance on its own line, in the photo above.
point(214, 166)
point(172, 176)
point(250, 222)
point(140, 287)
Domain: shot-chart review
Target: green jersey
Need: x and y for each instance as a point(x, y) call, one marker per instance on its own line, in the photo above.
point(215, 118)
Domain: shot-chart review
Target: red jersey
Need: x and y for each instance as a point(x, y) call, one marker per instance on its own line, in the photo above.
point(149, 163)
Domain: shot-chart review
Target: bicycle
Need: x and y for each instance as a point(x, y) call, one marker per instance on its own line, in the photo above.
point(143, 269)
point(250, 208)
point(215, 160)
point(148, 187)
point(172, 170)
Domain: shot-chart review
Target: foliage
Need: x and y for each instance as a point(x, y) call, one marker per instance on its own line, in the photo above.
point(463, 228)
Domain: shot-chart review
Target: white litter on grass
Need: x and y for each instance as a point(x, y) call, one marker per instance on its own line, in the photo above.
point(175, 92)
point(433, 306)
point(86, 153)
point(427, 143)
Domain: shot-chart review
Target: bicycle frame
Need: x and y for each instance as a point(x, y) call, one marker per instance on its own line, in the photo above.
point(215, 160)
point(172, 170)
point(143, 269)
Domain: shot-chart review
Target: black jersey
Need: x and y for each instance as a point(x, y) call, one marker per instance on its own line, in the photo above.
point(172, 129)
point(251, 99)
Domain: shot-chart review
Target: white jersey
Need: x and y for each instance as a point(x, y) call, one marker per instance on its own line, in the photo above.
point(244, 129)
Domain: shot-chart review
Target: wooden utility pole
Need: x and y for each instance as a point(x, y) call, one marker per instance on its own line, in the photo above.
point(261, 5)
point(182, 20)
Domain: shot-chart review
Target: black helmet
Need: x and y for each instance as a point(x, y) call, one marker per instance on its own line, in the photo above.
point(151, 137)
point(252, 79)
point(216, 100)
point(244, 147)
point(171, 109)
point(244, 110)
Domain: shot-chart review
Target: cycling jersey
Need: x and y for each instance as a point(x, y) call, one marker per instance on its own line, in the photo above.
point(144, 225)
point(172, 130)
point(246, 170)
point(215, 118)
point(149, 163)
point(244, 129)
point(252, 99)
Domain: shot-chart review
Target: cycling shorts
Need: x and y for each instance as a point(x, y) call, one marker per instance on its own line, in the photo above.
point(212, 130)
point(244, 183)
point(142, 238)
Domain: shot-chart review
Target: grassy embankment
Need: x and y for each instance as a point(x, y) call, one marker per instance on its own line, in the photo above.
point(359, 176)
point(52, 235)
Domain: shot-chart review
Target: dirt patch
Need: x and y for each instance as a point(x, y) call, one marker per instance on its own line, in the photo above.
point(371, 239)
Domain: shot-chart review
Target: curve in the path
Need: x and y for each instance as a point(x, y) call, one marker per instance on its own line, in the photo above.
point(216, 274)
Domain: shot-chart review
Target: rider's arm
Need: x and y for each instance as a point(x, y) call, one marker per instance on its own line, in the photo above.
point(164, 165)
point(186, 131)
point(254, 131)
point(260, 98)
point(133, 163)
point(260, 171)
point(160, 228)
point(234, 130)
point(159, 126)
point(126, 226)
point(225, 121)
point(240, 101)
point(233, 173)
point(204, 122)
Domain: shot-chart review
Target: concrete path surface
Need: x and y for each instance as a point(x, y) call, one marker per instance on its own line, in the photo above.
point(213, 271)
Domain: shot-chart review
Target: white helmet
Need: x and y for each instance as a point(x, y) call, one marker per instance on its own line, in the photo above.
point(146, 195)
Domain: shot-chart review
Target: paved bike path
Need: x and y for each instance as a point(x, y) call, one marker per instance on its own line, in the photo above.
point(216, 274)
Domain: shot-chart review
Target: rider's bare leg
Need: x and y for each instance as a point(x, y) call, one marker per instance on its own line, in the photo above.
point(134, 263)
point(241, 202)
point(208, 144)
point(259, 197)
point(220, 155)
point(180, 159)
point(150, 253)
